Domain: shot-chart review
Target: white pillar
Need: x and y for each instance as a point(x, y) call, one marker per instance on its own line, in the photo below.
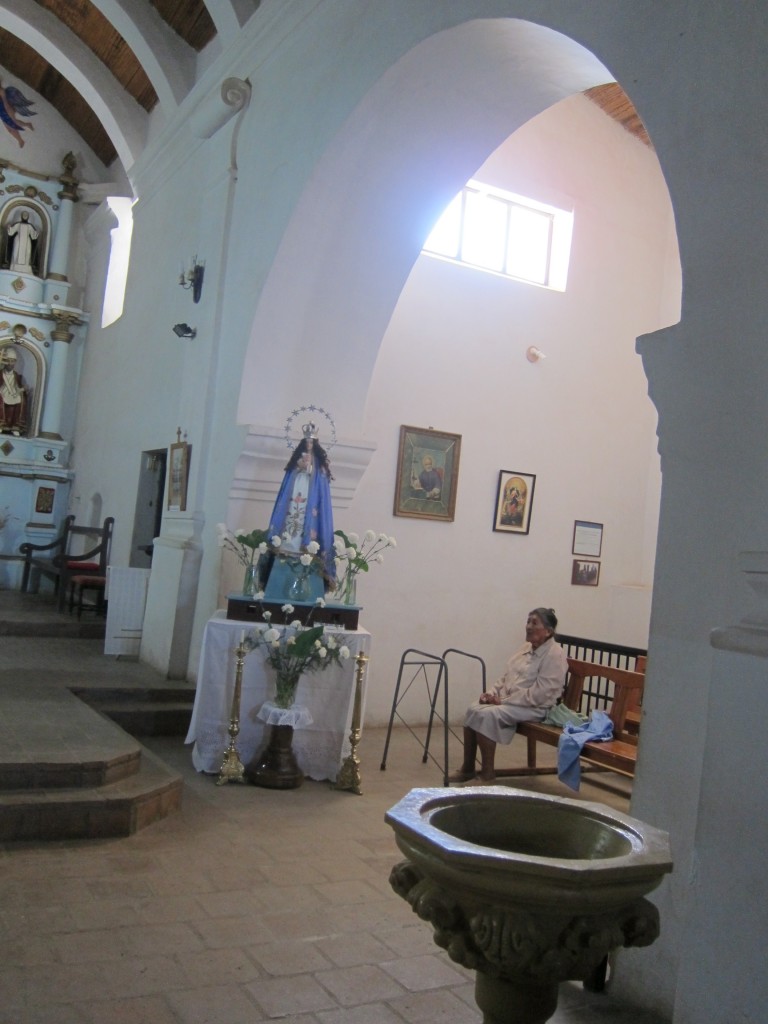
point(57, 282)
point(172, 594)
point(50, 424)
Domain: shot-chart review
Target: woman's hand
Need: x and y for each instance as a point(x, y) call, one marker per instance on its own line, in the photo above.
point(489, 698)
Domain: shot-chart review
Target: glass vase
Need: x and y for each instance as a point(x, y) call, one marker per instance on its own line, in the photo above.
point(250, 582)
point(285, 688)
point(299, 588)
point(349, 590)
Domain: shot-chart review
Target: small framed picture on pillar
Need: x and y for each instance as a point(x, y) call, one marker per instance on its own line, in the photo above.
point(178, 475)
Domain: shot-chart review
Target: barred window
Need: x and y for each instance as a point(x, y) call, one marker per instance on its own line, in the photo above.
point(503, 233)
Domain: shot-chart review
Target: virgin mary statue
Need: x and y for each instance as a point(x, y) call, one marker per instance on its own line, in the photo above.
point(302, 511)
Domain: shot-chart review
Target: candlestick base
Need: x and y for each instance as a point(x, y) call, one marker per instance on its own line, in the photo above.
point(232, 768)
point(349, 773)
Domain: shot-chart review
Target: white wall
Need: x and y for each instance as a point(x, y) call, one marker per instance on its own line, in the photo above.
point(580, 420)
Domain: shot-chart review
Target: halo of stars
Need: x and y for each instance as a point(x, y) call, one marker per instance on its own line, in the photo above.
point(311, 409)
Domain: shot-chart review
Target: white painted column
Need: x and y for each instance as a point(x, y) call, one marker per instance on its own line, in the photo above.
point(172, 595)
point(50, 424)
point(57, 281)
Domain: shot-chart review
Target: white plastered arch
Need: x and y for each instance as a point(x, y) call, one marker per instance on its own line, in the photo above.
point(361, 221)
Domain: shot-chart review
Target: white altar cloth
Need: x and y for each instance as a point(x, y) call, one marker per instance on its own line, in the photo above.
point(320, 749)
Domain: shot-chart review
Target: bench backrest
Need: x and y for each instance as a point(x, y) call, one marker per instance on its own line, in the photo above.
point(627, 692)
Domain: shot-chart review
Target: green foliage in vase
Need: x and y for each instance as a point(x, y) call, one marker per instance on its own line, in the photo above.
point(246, 546)
point(354, 555)
point(295, 650)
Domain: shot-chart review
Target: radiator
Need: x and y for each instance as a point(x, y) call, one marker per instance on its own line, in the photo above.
point(126, 597)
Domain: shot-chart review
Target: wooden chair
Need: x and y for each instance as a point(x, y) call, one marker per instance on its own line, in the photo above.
point(79, 585)
point(42, 558)
point(60, 561)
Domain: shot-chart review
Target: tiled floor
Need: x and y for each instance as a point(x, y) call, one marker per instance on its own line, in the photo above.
point(249, 905)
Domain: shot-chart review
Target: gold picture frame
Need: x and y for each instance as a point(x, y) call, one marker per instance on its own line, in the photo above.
point(514, 501)
point(178, 476)
point(427, 474)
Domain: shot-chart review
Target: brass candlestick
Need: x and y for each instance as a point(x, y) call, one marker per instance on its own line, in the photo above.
point(232, 768)
point(349, 775)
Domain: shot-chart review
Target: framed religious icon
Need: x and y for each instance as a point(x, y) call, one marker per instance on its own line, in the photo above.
point(427, 473)
point(44, 500)
point(587, 538)
point(584, 573)
point(514, 501)
point(178, 476)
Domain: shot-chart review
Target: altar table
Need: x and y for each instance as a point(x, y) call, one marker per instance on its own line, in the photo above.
point(320, 748)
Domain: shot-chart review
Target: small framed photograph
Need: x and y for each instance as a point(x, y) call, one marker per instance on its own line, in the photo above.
point(587, 538)
point(427, 473)
point(514, 501)
point(585, 574)
point(178, 476)
point(44, 500)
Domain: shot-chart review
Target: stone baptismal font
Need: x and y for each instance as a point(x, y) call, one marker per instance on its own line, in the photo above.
point(525, 889)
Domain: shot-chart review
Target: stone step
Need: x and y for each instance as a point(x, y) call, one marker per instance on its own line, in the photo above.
point(150, 718)
point(68, 772)
point(143, 712)
point(169, 692)
point(51, 740)
point(118, 809)
point(61, 625)
point(37, 615)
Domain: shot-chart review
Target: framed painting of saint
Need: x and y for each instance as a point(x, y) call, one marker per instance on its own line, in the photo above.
point(427, 474)
point(514, 501)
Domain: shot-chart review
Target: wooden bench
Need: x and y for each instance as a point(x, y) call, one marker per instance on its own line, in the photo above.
point(618, 754)
point(60, 560)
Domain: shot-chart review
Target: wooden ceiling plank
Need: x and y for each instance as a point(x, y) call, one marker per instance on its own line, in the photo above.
point(29, 67)
point(106, 43)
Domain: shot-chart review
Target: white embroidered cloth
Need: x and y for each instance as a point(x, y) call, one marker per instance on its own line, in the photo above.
point(296, 715)
point(327, 696)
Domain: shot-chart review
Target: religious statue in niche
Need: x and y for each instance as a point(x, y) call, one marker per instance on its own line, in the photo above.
point(302, 513)
point(22, 241)
point(14, 394)
point(12, 104)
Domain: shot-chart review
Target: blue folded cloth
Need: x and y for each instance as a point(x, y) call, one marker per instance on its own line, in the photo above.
point(599, 727)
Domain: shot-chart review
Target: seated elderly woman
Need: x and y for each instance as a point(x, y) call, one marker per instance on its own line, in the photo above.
point(532, 683)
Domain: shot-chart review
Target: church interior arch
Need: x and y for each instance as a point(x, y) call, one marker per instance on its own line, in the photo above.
point(368, 209)
point(439, 112)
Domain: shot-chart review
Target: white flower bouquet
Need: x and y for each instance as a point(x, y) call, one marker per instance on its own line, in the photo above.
point(354, 556)
point(296, 649)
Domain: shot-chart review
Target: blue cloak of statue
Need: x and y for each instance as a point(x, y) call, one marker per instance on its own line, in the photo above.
point(303, 506)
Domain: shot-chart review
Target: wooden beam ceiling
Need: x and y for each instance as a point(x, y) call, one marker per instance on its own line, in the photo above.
point(191, 21)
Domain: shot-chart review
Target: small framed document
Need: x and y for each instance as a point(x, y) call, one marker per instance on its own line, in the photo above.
point(587, 538)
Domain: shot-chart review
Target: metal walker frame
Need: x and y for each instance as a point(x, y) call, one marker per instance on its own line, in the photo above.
point(422, 662)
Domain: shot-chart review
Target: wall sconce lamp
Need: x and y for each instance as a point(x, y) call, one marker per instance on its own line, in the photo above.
point(184, 331)
point(193, 278)
point(533, 354)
